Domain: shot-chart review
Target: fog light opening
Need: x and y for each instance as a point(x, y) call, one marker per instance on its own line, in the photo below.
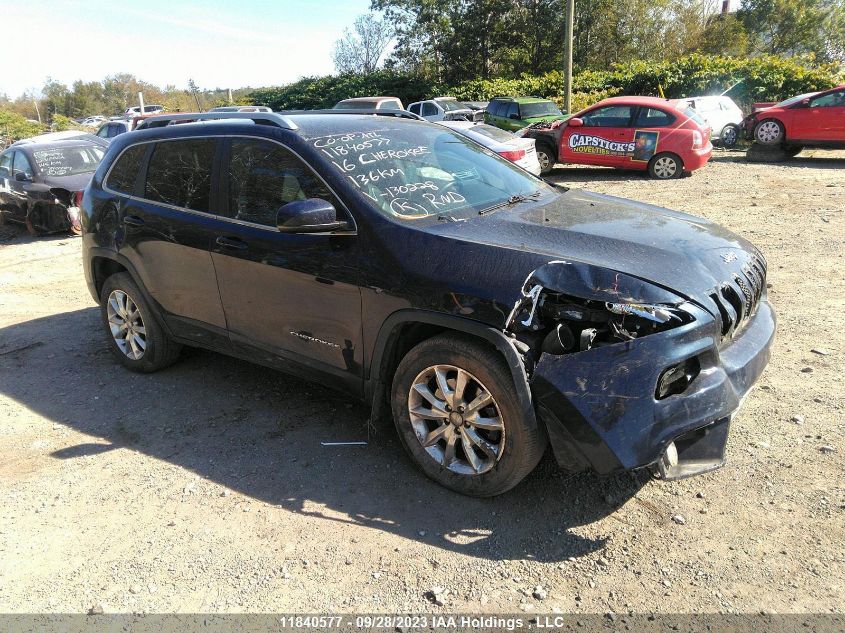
point(677, 378)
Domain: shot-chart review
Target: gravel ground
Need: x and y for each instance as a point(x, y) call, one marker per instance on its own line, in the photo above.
point(205, 488)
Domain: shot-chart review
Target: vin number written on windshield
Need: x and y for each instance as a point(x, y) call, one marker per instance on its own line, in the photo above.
point(361, 157)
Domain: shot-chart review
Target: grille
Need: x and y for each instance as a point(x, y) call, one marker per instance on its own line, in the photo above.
point(737, 298)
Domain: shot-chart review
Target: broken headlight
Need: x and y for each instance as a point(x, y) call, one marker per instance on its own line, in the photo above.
point(570, 324)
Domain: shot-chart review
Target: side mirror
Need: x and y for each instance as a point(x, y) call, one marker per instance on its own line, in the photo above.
point(22, 177)
point(312, 215)
point(575, 122)
point(515, 117)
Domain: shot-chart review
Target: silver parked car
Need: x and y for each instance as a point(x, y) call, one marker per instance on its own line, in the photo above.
point(520, 151)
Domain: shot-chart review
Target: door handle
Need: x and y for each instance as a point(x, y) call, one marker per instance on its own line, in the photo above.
point(133, 220)
point(232, 243)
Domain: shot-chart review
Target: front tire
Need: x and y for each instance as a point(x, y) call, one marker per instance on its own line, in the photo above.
point(546, 158)
point(135, 337)
point(665, 166)
point(769, 132)
point(457, 413)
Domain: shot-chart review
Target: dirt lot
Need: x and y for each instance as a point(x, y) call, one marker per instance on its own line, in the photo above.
point(205, 487)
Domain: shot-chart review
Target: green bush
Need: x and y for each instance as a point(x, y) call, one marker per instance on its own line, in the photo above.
point(14, 127)
point(754, 79)
point(60, 123)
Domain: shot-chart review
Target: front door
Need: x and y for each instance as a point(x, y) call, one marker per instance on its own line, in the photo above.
point(290, 299)
point(823, 119)
point(166, 229)
point(6, 180)
point(605, 138)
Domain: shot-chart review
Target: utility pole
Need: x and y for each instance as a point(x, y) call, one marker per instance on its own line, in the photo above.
point(570, 20)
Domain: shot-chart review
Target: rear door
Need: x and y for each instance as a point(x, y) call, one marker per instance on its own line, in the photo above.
point(289, 298)
point(167, 228)
point(606, 138)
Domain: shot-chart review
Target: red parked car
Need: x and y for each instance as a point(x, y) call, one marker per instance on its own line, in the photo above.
point(663, 136)
point(811, 120)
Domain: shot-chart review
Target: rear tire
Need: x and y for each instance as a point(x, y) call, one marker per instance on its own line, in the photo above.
point(729, 135)
point(665, 166)
point(135, 337)
point(438, 428)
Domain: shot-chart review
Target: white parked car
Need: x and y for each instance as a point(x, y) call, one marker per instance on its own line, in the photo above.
point(148, 109)
point(93, 121)
point(722, 115)
point(520, 151)
point(442, 109)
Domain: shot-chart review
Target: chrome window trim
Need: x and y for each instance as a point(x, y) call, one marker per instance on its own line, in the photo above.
point(209, 214)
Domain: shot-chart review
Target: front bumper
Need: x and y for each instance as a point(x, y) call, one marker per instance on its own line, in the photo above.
point(600, 409)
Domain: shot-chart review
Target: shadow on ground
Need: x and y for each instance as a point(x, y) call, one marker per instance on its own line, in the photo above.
point(259, 432)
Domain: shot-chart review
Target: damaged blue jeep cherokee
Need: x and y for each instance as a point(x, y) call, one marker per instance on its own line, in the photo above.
point(490, 313)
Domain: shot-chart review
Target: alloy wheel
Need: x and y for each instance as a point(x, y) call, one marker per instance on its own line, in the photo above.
point(665, 167)
point(126, 324)
point(729, 136)
point(545, 160)
point(456, 419)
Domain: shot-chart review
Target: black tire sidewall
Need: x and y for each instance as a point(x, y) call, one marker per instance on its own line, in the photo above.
point(155, 335)
point(512, 466)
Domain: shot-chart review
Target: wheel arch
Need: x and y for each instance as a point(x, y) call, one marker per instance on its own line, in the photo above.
point(404, 329)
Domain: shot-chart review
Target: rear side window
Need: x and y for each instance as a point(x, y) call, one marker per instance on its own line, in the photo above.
point(6, 164)
point(125, 171)
point(695, 117)
point(494, 108)
point(652, 117)
point(180, 173)
point(263, 176)
point(415, 108)
point(512, 109)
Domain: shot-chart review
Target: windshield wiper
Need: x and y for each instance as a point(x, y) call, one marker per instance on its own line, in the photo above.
point(514, 199)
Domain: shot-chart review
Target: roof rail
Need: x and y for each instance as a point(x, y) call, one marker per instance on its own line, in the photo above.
point(260, 118)
point(401, 114)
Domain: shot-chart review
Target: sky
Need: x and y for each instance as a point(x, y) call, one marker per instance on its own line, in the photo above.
point(217, 43)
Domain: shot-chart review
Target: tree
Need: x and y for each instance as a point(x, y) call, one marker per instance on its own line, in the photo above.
point(796, 27)
point(360, 49)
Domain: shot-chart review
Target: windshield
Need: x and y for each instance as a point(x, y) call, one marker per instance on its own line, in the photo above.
point(412, 171)
point(542, 108)
point(791, 100)
point(449, 105)
point(68, 161)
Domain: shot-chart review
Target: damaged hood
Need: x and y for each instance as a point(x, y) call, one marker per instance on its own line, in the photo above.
point(688, 256)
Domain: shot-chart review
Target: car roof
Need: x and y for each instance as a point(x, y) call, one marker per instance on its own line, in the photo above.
point(643, 101)
point(522, 99)
point(356, 99)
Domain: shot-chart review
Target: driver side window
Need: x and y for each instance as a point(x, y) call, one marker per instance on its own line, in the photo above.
point(21, 165)
point(264, 176)
point(608, 116)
